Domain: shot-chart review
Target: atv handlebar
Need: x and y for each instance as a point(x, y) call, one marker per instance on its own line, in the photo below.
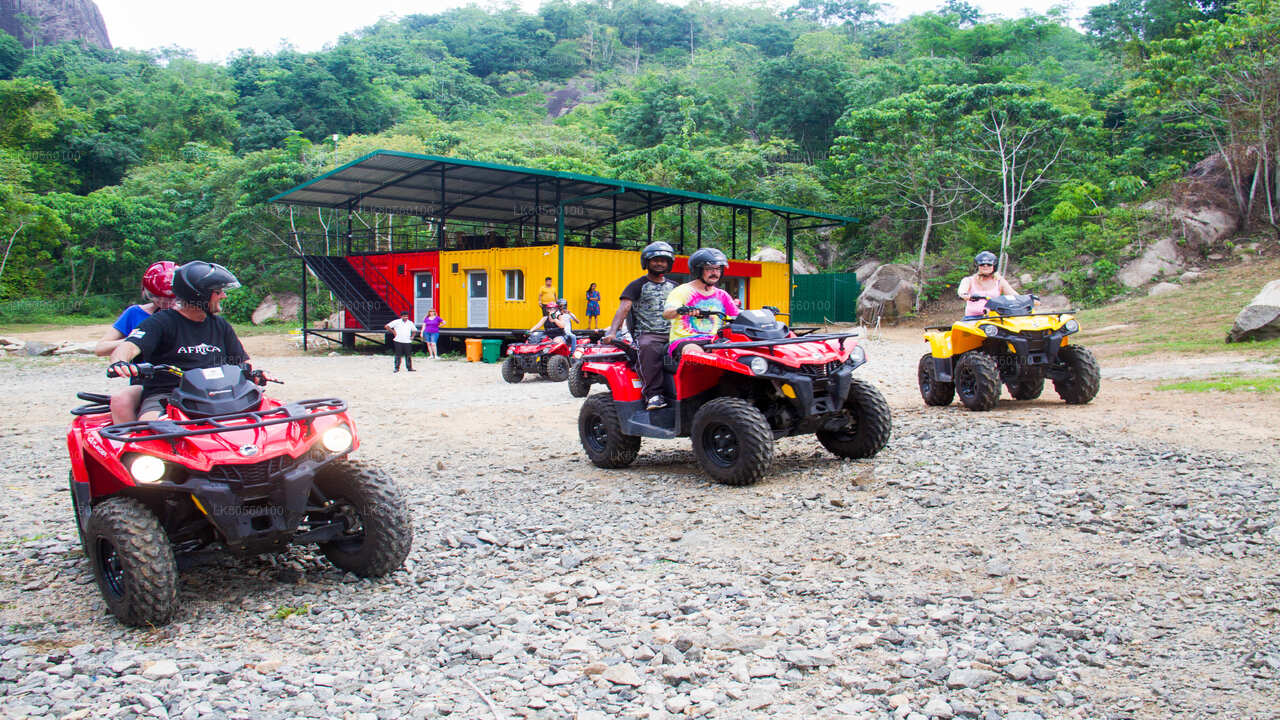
point(145, 370)
point(700, 313)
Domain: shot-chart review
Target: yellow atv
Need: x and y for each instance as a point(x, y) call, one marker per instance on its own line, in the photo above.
point(1011, 344)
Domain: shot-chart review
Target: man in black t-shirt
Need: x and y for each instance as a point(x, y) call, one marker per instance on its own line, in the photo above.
point(641, 305)
point(190, 336)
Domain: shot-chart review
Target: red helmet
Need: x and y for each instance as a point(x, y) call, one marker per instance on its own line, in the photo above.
point(158, 279)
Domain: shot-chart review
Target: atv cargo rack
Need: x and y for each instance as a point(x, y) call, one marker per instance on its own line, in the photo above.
point(300, 411)
point(779, 341)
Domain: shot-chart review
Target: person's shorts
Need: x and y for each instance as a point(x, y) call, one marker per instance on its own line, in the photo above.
point(678, 346)
point(430, 337)
point(151, 403)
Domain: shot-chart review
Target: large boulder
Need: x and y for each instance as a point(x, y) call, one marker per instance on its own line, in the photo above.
point(69, 347)
point(1159, 259)
point(799, 265)
point(889, 293)
point(865, 269)
point(1163, 288)
point(277, 306)
point(1260, 319)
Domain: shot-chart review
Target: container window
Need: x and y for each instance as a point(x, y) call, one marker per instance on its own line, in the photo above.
point(515, 284)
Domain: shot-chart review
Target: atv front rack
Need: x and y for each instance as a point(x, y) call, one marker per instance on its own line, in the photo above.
point(303, 410)
point(780, 341)
point(1002, 317)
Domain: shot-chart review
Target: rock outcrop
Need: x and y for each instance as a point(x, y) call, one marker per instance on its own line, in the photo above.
point(889, 294)
point(1158, 260)
point(48, 22)
point(799, 265)
point(1260, 320)
point(279, 306)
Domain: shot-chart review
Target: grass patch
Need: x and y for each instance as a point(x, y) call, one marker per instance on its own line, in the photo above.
point(286, 611)
point(1270, 384)
point(1194, 320)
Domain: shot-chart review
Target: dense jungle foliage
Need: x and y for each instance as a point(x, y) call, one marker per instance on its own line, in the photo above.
point(947, 132)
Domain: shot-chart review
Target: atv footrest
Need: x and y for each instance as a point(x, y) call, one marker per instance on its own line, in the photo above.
point(651, 423)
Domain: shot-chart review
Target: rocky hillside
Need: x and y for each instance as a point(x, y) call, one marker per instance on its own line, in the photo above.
point(46, 22)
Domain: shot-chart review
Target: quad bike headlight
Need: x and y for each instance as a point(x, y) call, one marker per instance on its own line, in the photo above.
point(989, 330)
point(758, 365)
point(1071, 326)
point(337, 439)
point(857, 355)
point(146, 469)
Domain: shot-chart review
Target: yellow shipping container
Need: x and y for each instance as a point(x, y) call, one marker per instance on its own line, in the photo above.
point(498, 287)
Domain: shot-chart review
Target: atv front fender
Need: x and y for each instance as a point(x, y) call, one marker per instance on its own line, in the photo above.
point(624, 384)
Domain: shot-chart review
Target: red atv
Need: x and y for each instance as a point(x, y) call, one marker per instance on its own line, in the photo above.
point(758, 382)
point(580, 382)
point(546, 354)
point(228, 468)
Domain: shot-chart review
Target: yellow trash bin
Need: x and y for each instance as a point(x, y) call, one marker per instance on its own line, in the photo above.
point(475, 349)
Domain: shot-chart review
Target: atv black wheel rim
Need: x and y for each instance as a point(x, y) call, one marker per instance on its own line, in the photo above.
point(968, 384)
point(353, 528)
point(597, 434)
point(721, 443)
point(111, 568)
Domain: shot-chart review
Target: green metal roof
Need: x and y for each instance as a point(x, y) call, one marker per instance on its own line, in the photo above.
point(452, 188)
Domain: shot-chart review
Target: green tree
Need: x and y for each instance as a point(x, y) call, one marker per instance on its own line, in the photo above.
point(905, 149)
point(1225, 78)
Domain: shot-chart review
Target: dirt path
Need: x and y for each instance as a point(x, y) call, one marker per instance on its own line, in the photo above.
point(1128, 403)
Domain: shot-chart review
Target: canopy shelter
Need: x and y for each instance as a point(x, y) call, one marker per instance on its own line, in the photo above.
point(441, 190)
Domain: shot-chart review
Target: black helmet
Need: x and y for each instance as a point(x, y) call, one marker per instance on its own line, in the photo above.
point(195, 282)
point(705, 257)
point(562, 303)
point(984, 258)
point(656, 249)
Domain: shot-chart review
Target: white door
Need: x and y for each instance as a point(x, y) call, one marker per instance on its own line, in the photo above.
point(477, 298)
point(423, 295)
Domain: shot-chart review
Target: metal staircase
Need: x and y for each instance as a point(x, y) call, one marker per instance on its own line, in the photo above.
point(357, 295)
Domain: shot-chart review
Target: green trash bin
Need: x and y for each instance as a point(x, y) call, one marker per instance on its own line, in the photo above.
point(492, 350)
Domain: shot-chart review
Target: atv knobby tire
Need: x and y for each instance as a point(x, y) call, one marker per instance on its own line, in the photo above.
point(133, 562)
point(977, 380)
point(934, 391)
point(601, 434)
point(557, 368)
point(1083, 375)
point(378, 534)
point(732, 441)
point(511, 372)
point(81, 514)
point(869, 427)
point(579, 383)
point(1028, 389)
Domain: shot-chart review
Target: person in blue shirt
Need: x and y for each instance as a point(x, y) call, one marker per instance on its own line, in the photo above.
point(157, 290)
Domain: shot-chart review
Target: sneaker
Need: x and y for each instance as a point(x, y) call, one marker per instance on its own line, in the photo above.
point(656, 403)
point(411, 370)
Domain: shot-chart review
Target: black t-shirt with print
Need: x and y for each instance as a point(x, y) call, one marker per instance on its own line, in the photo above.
point(647, 300)
point(168, 337)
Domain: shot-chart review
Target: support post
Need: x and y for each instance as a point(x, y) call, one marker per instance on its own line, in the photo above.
point(304, 298)
point(748, 233)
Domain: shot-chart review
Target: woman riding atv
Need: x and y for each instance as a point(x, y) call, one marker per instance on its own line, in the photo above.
point(983, 284)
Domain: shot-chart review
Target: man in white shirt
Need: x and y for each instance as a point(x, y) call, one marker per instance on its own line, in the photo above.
point(403, 340)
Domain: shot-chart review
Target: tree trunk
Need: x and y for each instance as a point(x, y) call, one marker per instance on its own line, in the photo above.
point(7, 248)
point(924, 243)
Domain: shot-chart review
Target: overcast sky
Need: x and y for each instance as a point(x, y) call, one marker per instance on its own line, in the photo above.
point(216, 30)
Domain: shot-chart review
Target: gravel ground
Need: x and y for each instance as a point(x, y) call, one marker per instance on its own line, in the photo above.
point(995, 565)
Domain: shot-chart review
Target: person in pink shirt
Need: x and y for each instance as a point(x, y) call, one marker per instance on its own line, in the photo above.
point(690, 330)
point(986, 283)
